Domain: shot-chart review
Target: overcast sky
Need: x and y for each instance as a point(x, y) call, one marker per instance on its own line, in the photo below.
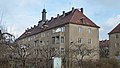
point(21, 14)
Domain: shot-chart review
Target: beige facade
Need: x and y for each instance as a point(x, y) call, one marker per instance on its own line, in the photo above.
point(114, 44)
point(62, 36)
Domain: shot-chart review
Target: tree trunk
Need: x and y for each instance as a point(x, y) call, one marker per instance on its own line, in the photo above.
point(23, 63)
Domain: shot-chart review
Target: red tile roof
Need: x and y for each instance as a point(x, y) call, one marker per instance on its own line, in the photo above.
point(72, 17)
point(115, 30)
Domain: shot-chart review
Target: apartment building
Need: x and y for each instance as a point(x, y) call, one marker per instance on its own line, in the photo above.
point(114, 37)
point(60, 31)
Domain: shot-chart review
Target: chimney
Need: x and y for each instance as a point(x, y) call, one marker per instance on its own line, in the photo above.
point(63, 13)
point(72, 8)
point(27, 28)
point(58, 15)
point(34, 25)
point(44, 15)
point(81, 10)
point(51, 18)
point(31, 27)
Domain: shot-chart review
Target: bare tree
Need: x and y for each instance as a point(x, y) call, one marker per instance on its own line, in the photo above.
point(11, 50)
point(77, 53)
point(104, 52)
point(47, 53)
point(81, 52)
point(22, 53)
point(6, 41)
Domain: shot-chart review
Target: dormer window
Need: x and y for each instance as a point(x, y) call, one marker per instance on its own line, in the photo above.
point(81, 20)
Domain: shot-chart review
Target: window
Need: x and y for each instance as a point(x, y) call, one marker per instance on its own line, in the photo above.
point(29, 38)
point(53, 31)
point(47, 42)
point(48, 34)
point(80, 40)
point(62, 39)
point(58, 30)
point(80, 29)
point(81, 20)
point(36, 51)
point(117, 36)
point(42, 34)
point(36, 43)
point(89, 41)
point(57, 39)
point(34, 36)
point(23, 46)
point(116, 45)
point(62, 29)
point(53, 40)
point(62, 50)
point(89, 30)
point(42, 42)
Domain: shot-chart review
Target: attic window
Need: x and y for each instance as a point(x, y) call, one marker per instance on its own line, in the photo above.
point(81, 20)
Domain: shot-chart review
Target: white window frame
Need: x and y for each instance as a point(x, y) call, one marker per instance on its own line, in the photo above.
point(89, 30)
point(79, 40)
point(89, 41)
point(62, 39)
point(116, 45)
point(80, 29)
